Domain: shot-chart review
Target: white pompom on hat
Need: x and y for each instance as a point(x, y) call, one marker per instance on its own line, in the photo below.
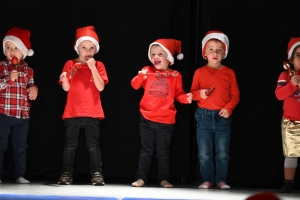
point(293, 43)
point(21, 39)
point(170, 46)
point(215, 35)
point(86, 33)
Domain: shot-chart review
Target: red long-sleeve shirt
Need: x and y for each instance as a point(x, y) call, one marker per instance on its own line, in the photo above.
point(157, 104)
point(290, 94)
point(14, 99)
point(226, 94)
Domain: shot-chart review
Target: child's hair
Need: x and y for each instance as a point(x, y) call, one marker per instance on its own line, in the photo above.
point(216, 40)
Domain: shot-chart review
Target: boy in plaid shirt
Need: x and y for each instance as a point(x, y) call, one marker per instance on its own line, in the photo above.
point(16, 89)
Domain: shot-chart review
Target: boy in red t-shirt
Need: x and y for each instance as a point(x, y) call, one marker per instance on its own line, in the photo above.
point(83, 79)
point(162, 86)
point(216, 91)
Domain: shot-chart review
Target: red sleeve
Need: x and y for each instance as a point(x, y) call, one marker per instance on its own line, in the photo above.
point(284, 86)
point(195, 88)
point(138, 80)
point(66, 68)
point(180, 94)
point(234, 94)
point(102, 71)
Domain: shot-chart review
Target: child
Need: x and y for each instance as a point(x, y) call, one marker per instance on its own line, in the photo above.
point(83, 79)
point(16, 88)
point(288, 90)
point(162, 85)
point(216, 91)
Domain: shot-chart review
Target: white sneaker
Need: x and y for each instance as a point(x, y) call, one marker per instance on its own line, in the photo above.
point(22, 180)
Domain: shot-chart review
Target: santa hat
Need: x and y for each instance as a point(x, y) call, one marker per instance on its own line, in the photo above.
point(263, 196)
point(215, 35)
point(293, 43)
point(170, 46)
point(86, 33)
point(20, 38)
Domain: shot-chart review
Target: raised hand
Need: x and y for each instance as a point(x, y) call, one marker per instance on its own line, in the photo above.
point(295, 80)
point(143, 72)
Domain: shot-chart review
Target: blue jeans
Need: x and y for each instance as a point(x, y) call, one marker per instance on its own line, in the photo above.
point(92, 134)
point(213, 131)
point(18, 129)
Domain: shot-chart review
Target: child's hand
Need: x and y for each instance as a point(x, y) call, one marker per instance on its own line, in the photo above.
point(189, 97)
point(13, 75)
point(32, 92)
point(144, 72)
point(224, 113)
point(295, 80)
point(63, 76)
point(202, 93)
point(91, 63)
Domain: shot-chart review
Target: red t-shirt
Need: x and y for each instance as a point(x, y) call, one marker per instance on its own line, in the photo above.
point(226, 94)
point(290, 94)
point(83, 98)
point(160, 92)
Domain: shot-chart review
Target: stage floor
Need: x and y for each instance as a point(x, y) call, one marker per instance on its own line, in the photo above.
point(125, 191)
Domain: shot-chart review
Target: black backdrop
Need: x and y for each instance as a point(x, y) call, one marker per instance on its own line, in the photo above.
point(258, 33)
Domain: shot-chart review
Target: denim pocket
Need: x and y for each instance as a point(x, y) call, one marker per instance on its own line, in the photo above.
point(199, 114)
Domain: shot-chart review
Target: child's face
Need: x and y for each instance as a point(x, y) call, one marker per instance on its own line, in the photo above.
point(214, 52)
point(86, 50)
point(296, 59)
point(159, 57)
point(11, 50)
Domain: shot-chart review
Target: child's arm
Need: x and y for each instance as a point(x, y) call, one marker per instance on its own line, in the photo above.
point(139, 79)
point(234, 97)
point(98, 81)
point(180, 94)
point(285, 88)
point(196, 91)
point(64, 81)
point(32, 89)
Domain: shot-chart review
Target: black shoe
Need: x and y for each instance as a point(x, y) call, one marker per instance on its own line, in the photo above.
point(65, 179)
point(97, 179)
point(287, 187)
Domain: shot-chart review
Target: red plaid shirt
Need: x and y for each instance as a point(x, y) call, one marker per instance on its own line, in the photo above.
point(13, 95)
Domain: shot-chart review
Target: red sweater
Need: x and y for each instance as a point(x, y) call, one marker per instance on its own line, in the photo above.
point(83, 99)
point(157, 103)
point(290, 94)
point(226, 94)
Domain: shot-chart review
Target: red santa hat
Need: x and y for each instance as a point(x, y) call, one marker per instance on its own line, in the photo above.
point(215, 35)
point(20, 38)
point(170, 46)
point(86, 33)
point(293, 43)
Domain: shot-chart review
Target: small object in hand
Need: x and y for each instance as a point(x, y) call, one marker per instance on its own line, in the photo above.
point(210, 90)
point(14, 60)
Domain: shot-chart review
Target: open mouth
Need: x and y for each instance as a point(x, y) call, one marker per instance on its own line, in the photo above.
point(157, 62)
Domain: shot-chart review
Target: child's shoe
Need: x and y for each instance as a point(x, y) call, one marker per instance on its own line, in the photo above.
point(205, 185)
point(22, 180)
point(65, 179)
point(138, 183)
point(287, 187)
point(223, 186)
point(97, 179)
point(166, 184)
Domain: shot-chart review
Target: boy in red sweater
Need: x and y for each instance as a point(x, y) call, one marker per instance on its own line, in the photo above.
point(162, 86)
point(288, 90)
point(83, 79)
point(216, 91)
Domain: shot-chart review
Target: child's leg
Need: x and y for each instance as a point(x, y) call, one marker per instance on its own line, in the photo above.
point(71, 142)
point(147, 148)
point(19, 143)
point(5, 132)
point(92, 133)
point(163, 140)
point(205, 137)
point(222, 140)
point(290, 166)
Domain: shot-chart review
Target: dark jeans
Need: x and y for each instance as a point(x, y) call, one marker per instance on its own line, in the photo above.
point(154, 136)
point(213, 131)
point(18, 129)
point(92, 134)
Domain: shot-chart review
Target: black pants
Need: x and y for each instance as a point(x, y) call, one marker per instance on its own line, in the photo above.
point(92, 134)
point(154, 136)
